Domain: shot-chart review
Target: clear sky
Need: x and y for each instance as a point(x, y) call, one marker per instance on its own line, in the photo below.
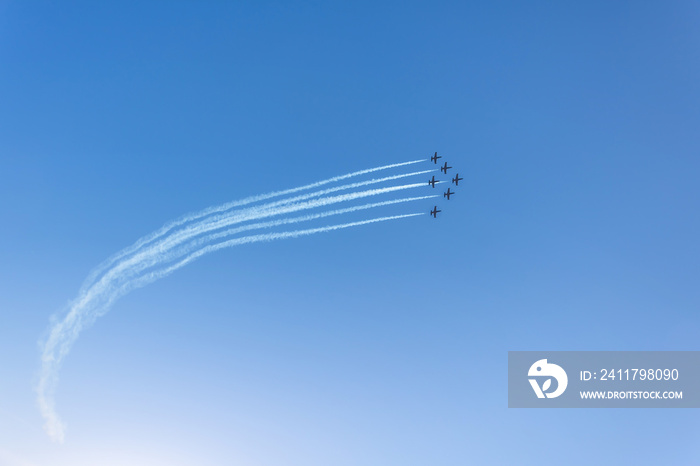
point(575, 127)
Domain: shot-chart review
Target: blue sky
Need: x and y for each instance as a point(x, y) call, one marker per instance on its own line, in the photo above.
point(574, 126)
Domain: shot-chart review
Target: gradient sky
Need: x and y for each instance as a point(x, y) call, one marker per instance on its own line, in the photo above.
point(574, 126)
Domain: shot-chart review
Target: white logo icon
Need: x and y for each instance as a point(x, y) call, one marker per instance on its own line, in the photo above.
point(543, 369)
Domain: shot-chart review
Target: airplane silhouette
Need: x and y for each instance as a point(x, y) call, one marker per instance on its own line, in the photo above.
point(456, 179)
point(434, 212)
point(447, 194)
point(435, 157)
point(444, 168)
point(433, 181)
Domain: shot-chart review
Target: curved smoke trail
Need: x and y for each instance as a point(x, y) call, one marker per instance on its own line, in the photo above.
point(285, 221)
point(153, 254)
point(96, 296)
point(248, 213)
point(229, 205)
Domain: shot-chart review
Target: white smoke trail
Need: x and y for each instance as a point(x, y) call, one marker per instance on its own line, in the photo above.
point(139, 261)
point(66, 332)
point(156, 256)
point(229, 205)
point(285, 221)
point(98, 298)
point(262, 237)
point(153, 254)
point(102, 268)
point(201, 241)
point(94, 296)
point(125, 270)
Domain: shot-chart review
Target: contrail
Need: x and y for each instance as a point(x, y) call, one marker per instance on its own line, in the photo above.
point(133, 249)
point(344, 187)
point(159, 252)
point(278, 208)
point(201, 241)
point(64, 333)
point(229, 205)
point(219, 221)
point(94, 295)
point(264, 237)
point(139, 261)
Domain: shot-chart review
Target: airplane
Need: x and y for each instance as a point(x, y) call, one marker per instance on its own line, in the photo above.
point(447, 194)
point(433, 181)
point(435, 157)
point(444, 168)
point(456, 179)
point(434, 212)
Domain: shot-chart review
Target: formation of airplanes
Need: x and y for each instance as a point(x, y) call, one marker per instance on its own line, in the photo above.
point(433, 181)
